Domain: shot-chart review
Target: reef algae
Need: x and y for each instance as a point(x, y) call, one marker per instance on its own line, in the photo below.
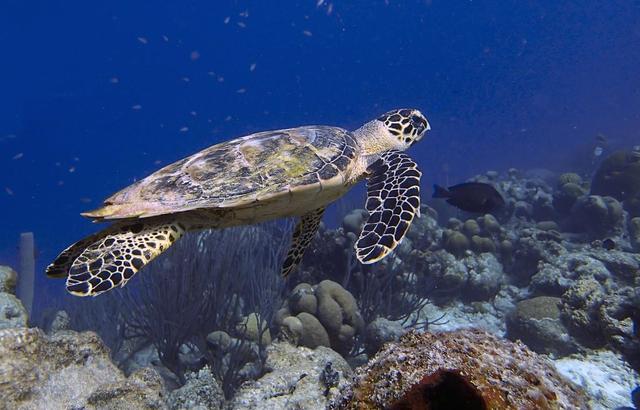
point(457, 370)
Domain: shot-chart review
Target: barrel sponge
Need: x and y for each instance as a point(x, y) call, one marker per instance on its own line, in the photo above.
point(336, 306)
point(313, 333)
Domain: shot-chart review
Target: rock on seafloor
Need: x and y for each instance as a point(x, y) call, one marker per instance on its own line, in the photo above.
point(463, 369)
point(200, 392)
point(296, 380)
point(604, 375)
point(69, 370)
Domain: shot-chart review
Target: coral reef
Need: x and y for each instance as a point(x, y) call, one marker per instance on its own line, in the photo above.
point(604, 376)
point(297, 378)
point(12, 312)
point(537, 322)
point(467, 368)
point(322, 315)
point(618, 175)
point(69, 370)
point(201, 391)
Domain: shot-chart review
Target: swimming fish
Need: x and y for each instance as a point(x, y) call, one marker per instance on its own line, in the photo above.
point(474, 197)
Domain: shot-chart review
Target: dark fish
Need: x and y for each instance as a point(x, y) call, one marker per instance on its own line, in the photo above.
point(471, 196)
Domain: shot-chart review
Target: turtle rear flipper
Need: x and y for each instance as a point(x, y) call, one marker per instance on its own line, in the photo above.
point(303, 234)
point(111, 257)
point(393, 198)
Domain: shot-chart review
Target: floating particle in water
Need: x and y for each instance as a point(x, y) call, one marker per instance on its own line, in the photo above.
point(186, 79)
point(8, 190)
point(195, 55)
point(7, 137)
point(114, 80)
point(184, 129)
point(307, 33)
point(319, 3)
point(57, 164)
point(165, 38)
point(329, 9)
point(221, 79)
point(241, 24)
point(143, 40)
point(193, 113)
point(72, 169)
point(241, 90)
point(60, 183)
point(85, 200)
point(227, 20)
point(244, 14)
point(157, 162)
point(228, 118)
point(211, 73)
point(18, 155)
point(136, 107)
point(252, 67)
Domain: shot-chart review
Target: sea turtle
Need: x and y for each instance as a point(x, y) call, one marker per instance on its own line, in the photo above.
point(263, 176)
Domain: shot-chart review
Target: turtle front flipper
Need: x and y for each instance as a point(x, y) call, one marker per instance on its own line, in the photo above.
point(303, 234)
point(111, 257)
point(393, 198)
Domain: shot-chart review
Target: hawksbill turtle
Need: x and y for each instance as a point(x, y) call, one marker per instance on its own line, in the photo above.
point(267, 175)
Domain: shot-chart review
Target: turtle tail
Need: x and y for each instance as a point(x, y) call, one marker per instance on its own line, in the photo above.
point(110, 258)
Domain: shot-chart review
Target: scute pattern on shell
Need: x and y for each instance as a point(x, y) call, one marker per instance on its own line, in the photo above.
point(239, 172)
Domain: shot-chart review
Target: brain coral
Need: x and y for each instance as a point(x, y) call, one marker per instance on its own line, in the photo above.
point(468, 369)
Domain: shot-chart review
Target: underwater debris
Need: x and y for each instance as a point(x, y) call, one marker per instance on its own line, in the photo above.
point(467, 366)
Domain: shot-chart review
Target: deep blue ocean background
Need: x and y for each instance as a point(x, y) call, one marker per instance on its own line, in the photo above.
point(94, 95)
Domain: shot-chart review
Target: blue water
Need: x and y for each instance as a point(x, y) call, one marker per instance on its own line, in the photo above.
point(96, 94)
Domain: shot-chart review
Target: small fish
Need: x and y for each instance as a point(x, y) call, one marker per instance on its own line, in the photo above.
point(252, 67)
point(143, 40)
point(184, 129)
point(597, 151)
point(473, 197)
point(18, 155)
point(307, 33)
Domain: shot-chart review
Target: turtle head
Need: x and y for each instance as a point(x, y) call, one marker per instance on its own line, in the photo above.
point(405, 126)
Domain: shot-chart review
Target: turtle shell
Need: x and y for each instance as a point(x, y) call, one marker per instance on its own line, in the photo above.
point(238, 173)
